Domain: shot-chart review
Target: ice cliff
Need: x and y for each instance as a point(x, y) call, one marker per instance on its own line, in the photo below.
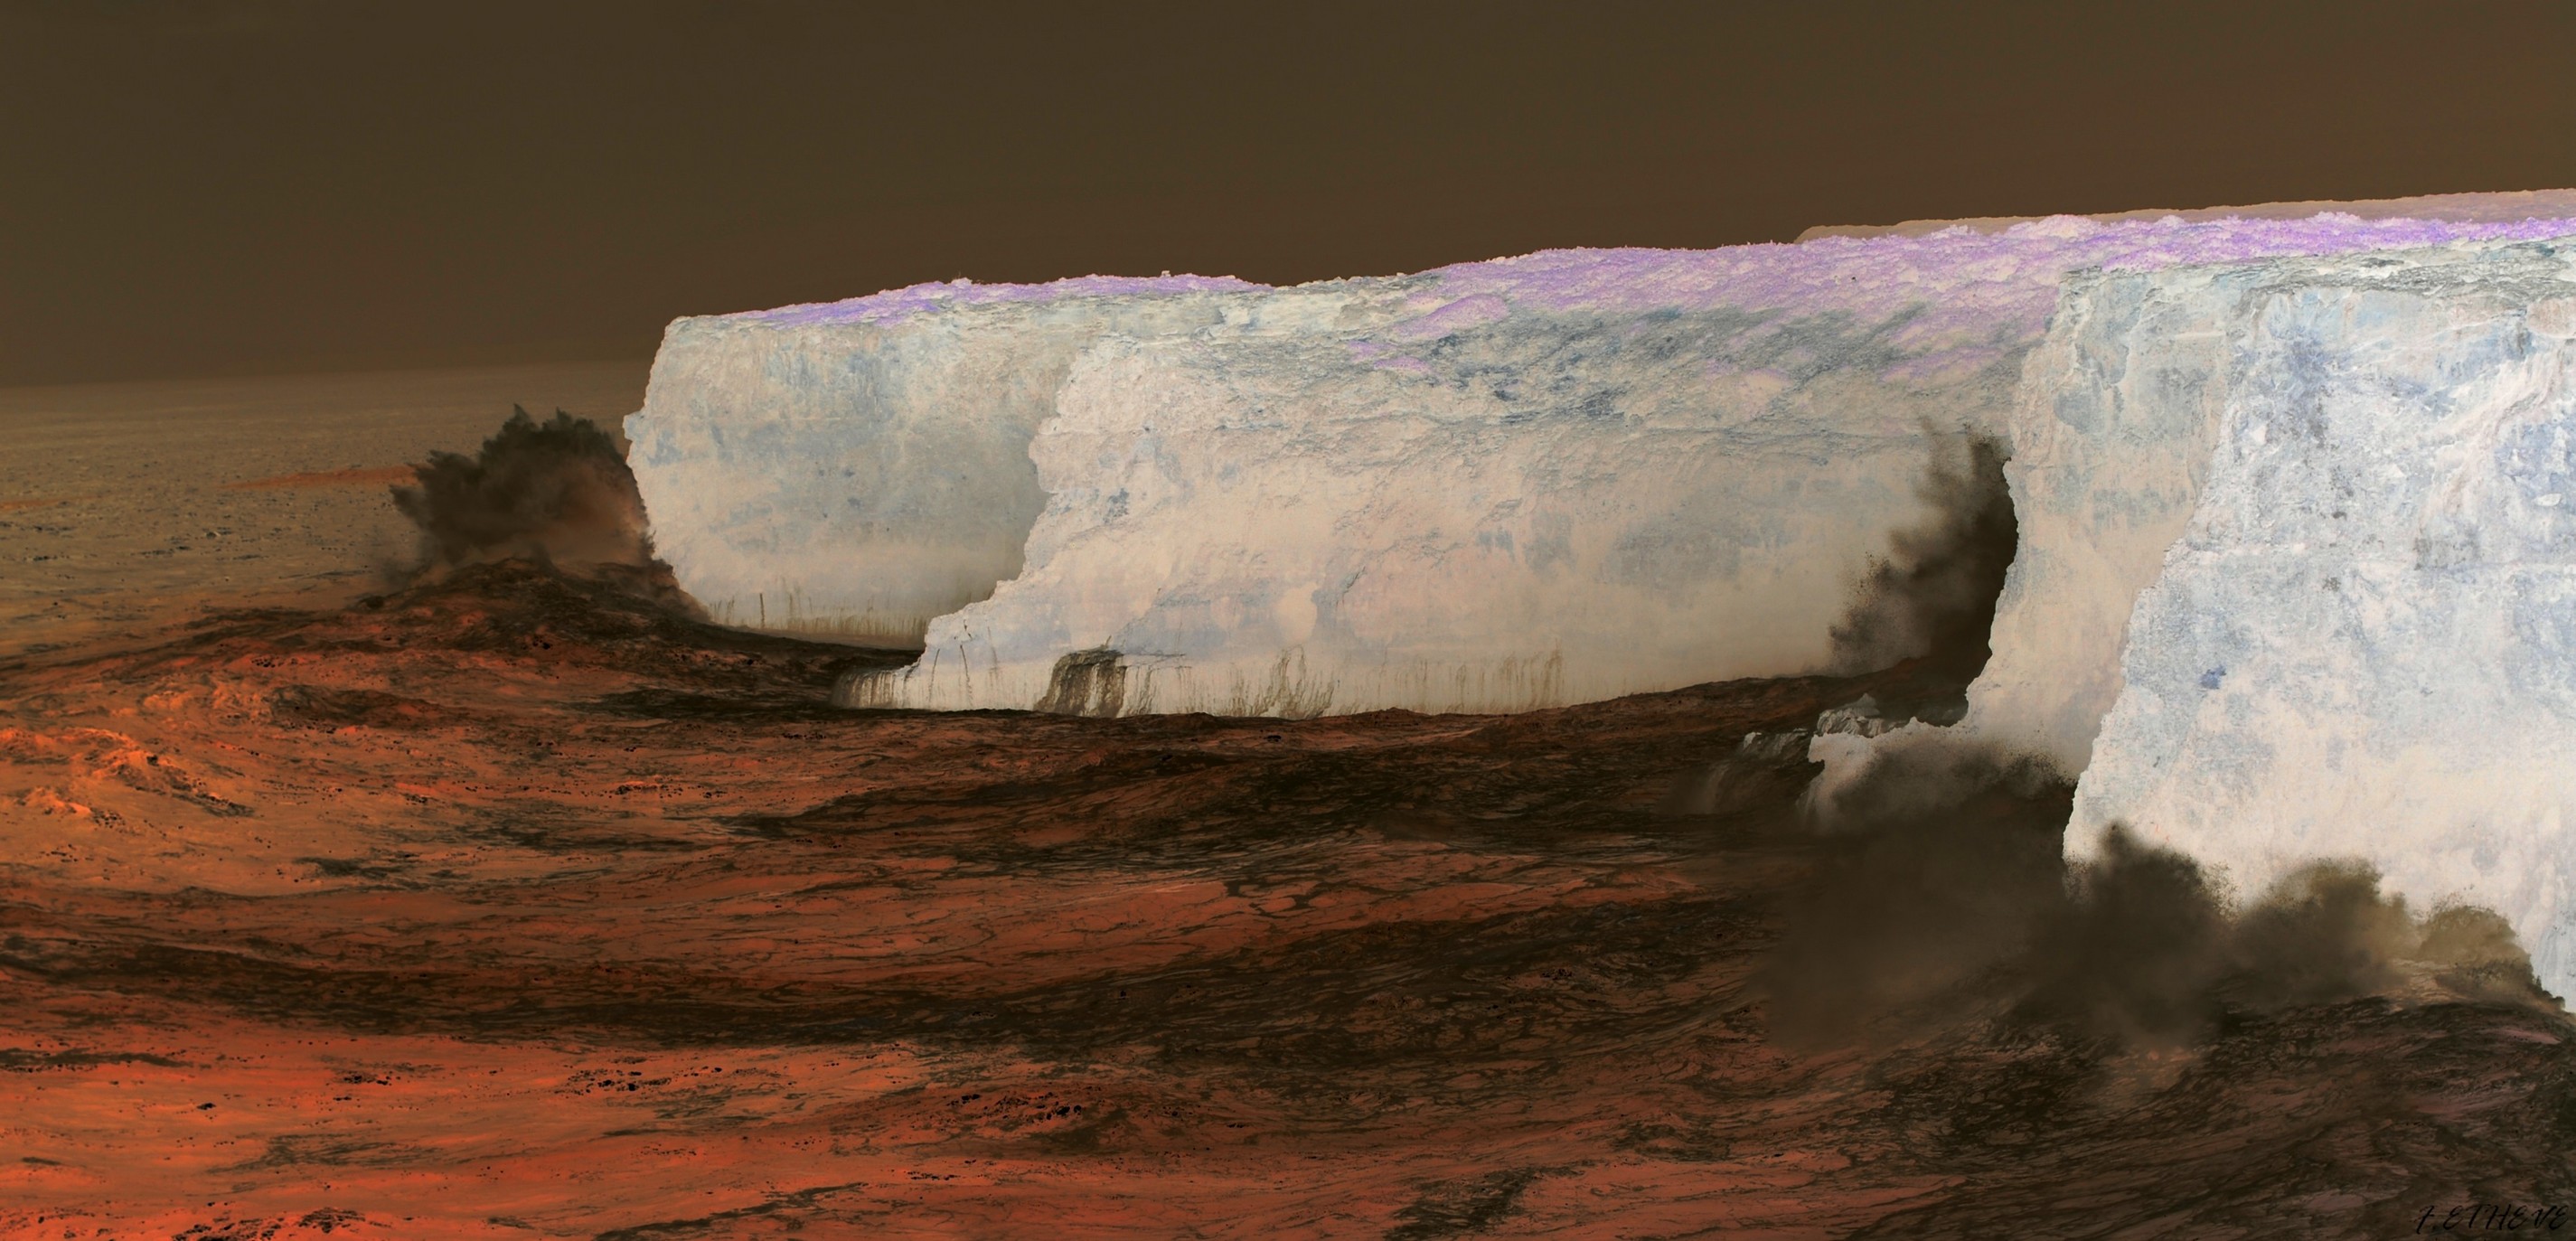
point(2296, 577)
point(2293, 491)
point(1490, 487)
point(2363, 641)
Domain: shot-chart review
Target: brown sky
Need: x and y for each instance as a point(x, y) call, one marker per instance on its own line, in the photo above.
point(207, 188)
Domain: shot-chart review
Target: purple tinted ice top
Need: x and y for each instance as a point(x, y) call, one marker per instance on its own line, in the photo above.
point(1954, 282)
point(896, 305)
point(1958, 279)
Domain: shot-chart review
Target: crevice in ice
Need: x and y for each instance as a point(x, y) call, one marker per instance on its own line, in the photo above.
point(1931, 600)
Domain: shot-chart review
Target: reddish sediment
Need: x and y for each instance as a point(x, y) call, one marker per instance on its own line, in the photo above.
point(519, 906)
point(352, 477)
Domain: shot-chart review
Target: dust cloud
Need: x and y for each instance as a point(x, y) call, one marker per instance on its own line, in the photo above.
point(556, 492)
point(1948, 899)
point(1933, 596)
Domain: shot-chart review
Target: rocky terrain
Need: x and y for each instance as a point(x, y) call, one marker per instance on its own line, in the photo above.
point(517, 904)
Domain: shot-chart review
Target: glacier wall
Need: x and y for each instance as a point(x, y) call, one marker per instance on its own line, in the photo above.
point(1495, 486)
point(2362, 642)
point(2293, 579)
point(2110, 437)
point(857, 469)
point(1499, 512)
point(2296, 578)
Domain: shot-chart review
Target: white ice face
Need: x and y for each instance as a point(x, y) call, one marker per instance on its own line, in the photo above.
point(1541, 509)
point(2293, 577)
point(1504, 485)
point(2363, 642)
point(854, 471)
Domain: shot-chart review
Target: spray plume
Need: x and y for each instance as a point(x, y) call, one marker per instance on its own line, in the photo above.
point(1948, 898)
point(557, 492)
point(1933, 596)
